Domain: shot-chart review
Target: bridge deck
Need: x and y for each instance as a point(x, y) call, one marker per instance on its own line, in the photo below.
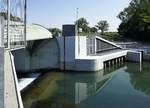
point(10, 93)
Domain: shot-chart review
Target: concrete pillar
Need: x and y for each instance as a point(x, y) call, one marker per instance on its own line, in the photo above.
point(105, 65)
point(112, 62)
point(109, 63)
point(116, 60)
point(122, 59)
point(119, 59)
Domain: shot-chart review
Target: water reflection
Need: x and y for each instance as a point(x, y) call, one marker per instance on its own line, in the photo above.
point(66, 90)
point(140, 76)
point(121, 86)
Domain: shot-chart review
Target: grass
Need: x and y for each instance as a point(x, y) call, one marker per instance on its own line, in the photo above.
point(112, 36)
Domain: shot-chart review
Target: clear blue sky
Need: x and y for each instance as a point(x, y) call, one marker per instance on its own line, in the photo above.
point(54, 13)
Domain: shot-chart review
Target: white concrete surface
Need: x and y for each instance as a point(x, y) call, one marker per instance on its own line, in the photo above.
point(77, 58)
point(25, 82)
point(49, 54)
point(80, 46)
point(95, 63)
point(19, 98)
point(37, 32)
point(12, 97)
point(44, 56)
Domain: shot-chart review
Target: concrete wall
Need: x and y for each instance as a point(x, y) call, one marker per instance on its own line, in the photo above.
point(1, 77)
point(76, 55)
point(50, 55)
point(75, 47)
point(45, 56)
point(96, 63)
point(80, 46)
point(22, 59)
point(134, 56)
point(88, 65)
point(69, 52)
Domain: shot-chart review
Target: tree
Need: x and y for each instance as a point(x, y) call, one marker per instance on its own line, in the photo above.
point(55, 31)
point(83, 24)
point(136, 20)
point(12, 18)
point(102, 25)
point(93, 29)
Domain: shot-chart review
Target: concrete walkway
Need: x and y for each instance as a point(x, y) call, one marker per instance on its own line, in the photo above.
point(10, 93)
point(1, 77)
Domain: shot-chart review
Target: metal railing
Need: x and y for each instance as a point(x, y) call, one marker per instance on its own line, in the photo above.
point(97, 45)
point(12, 23)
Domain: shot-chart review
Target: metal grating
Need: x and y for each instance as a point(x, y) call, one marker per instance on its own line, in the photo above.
point(13, 12)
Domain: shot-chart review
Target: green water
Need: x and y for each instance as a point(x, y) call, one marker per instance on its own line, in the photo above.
point(123, 86)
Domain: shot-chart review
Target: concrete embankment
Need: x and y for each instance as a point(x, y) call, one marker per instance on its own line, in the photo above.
point(12, 97)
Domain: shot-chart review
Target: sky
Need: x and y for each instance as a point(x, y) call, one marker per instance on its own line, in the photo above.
point(55, 13)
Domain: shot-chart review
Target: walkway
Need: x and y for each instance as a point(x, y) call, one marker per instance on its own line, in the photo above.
point(10, 91)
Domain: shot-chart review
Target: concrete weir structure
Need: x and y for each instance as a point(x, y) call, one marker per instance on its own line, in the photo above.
point(69, 52)
point(78, 59)
point(81, 53)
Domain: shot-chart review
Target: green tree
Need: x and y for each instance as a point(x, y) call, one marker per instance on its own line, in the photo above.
point(103, 26)
point(82, 24)
point(136, 20)
point(93, 30)
point(12, 18)
point(55, 31)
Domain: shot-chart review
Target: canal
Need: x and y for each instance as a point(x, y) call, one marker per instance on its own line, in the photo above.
point(122, 86)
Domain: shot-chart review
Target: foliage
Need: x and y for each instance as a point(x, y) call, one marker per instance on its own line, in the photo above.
point(12, 18)
point(55, 31)
point(136, 20)
point(112, 36)
point(93, 30)
point(102, 25)
point(83, 24)
point(87, 30)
